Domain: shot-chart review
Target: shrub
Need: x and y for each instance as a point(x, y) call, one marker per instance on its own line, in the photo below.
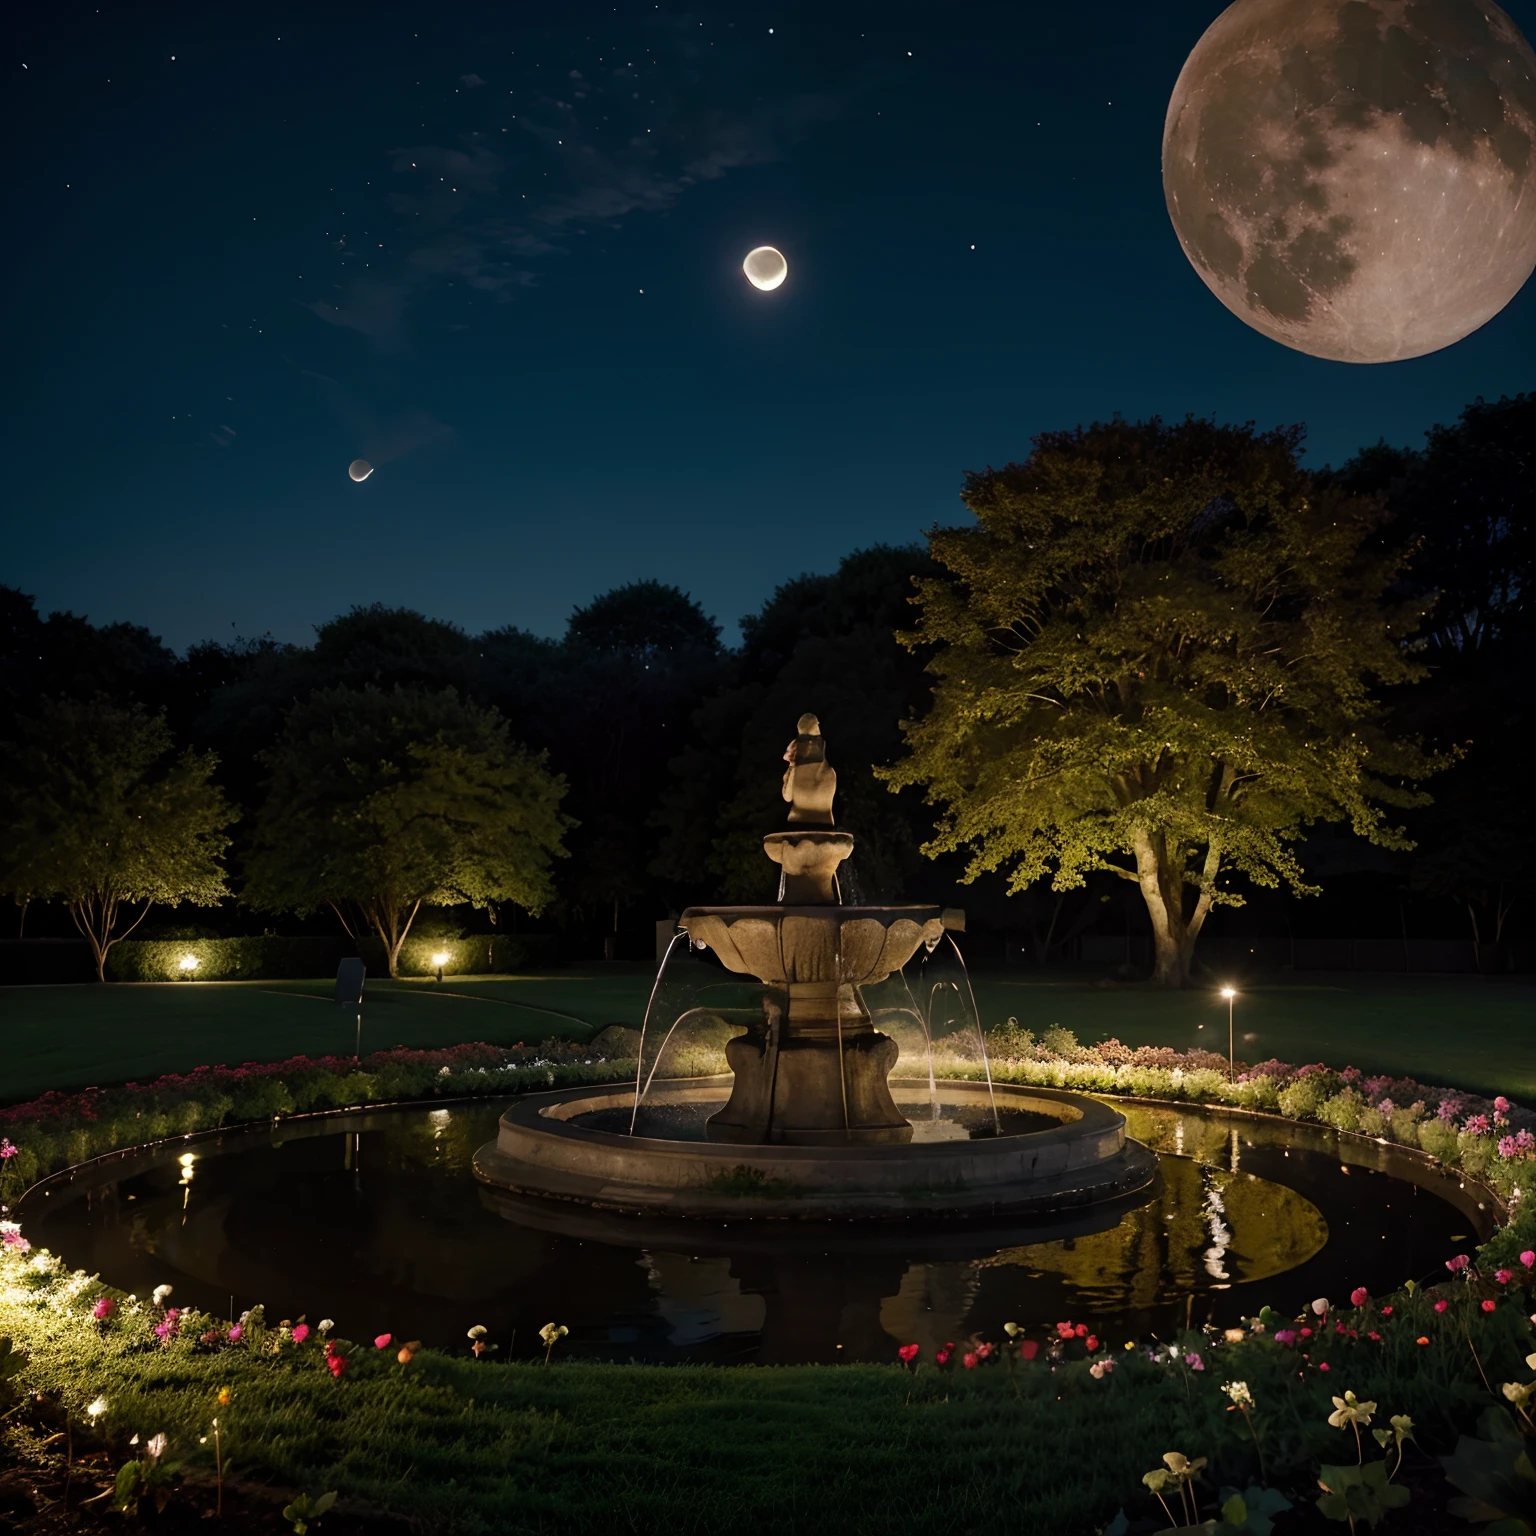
point(1439, 1139)
point(1009, 1041)
point(1302, 1099)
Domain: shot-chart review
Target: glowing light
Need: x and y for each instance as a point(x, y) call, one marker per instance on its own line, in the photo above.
point(441, 959)
point(187, 963)
point(765, 267)
point(1229, 993)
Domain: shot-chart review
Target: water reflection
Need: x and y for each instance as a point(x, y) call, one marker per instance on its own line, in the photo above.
point(377, 1222)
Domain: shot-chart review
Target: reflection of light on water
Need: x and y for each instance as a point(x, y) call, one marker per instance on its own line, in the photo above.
point(1178, 1138)
point(1221, 1234)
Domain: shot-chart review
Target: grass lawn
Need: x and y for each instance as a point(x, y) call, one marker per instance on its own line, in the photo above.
point(1468, 1031)
point(68, 1037)
point(1476, 1032)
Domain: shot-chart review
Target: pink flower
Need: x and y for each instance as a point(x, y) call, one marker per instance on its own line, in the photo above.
point(1501, 1104)
point(1528, 1259)
point(909, 1353)
point(1386, 1311)
point(1374, 1337)
point(984, 1351)
point(1193, 1361)
point(1101, 1368)
point(1359, 1296)
point(1064, 1330)
point(103, 1309)
point(336, 1364)
point(1457, 1264)
point(1441, 1305)
point(16, 1242)
point(1285, 1335)
point(383, 1341)
point(1322, 1365)
point(1489, 1304)
point(941, 1357)
point(300, 1332)
point(7, 1151)
point(968, 1361)
point(1476, 1125)
point(1503, 1276)
point(1306, 1333)
point(236, 1333)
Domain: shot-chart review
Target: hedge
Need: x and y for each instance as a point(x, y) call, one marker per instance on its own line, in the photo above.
point(268, 958)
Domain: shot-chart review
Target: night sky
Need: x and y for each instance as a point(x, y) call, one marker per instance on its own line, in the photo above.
point(497, 251)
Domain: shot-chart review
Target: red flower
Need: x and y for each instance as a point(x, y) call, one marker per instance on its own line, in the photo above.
point(1029, 1349)
point(1359, 1296)
point(968, 1361)
point(1441, 1305)
point(984, 1351)
point(1421, 1340)
point(941, 1357)
point(1081, 1330)
point(1322, 1365)
point(383, 1341)
point(1092, 1343)
point(909, 1353)
point(1374, 1337)
point(1386, 1311)
point(1489, 1304)
point(1306, 1333)
point(336, 1364)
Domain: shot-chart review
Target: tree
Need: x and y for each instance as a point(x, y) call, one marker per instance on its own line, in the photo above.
point(102, 813)
point(1155, 656)
point(378, 802)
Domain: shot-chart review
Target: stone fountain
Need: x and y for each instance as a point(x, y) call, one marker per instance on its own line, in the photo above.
point(816, 1072)
point(807, 1122)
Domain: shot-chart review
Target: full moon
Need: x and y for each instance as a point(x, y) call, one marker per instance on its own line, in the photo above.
point(1355, 178)
point(359, 469)
point(765, 267)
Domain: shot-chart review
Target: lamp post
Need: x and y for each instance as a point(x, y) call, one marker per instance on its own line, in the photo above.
point(440, 960)
point(1230, 993)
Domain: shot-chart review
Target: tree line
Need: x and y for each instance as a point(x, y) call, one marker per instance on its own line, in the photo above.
point(1162, 656)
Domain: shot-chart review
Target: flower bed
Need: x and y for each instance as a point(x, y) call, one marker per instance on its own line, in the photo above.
point(1491, 1139)
point(62, 1129)
point(157, 1402)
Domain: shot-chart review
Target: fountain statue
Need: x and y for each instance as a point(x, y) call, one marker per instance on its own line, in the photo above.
point(809, 1121)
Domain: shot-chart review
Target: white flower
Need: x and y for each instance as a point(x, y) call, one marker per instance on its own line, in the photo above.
point(326, 1324)
point(1239, 1393)
point(479, 1331)
point(154, 1447)
point(160, 1293)
point(97, 1408)
point(1320, 1306)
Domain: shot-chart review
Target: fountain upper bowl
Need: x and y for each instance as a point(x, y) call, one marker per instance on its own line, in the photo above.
point(856, 946)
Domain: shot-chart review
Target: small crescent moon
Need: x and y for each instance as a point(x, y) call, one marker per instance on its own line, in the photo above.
point(359, 469)
point(765, 268)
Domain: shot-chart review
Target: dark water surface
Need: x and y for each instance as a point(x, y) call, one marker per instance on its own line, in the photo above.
point(377, 1221)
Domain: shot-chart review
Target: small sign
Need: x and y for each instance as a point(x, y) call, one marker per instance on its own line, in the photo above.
point(349, 982)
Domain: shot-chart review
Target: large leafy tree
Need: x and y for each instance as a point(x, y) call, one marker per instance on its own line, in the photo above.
point(379, 802)
point(1156, 655)
point(102, 813)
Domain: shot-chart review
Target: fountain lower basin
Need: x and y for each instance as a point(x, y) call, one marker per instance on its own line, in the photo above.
point(1083, 1156)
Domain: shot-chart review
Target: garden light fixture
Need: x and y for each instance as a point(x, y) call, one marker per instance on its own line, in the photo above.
point(440, 959)
point(187, 964)
point(1230, 993)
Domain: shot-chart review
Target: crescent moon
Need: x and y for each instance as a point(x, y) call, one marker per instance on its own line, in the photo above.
point(359, 469)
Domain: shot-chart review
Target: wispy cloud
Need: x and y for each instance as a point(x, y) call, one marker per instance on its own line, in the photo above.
point(596, 146)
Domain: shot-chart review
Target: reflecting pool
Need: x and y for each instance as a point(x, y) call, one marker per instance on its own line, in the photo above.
point(375, 1220)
